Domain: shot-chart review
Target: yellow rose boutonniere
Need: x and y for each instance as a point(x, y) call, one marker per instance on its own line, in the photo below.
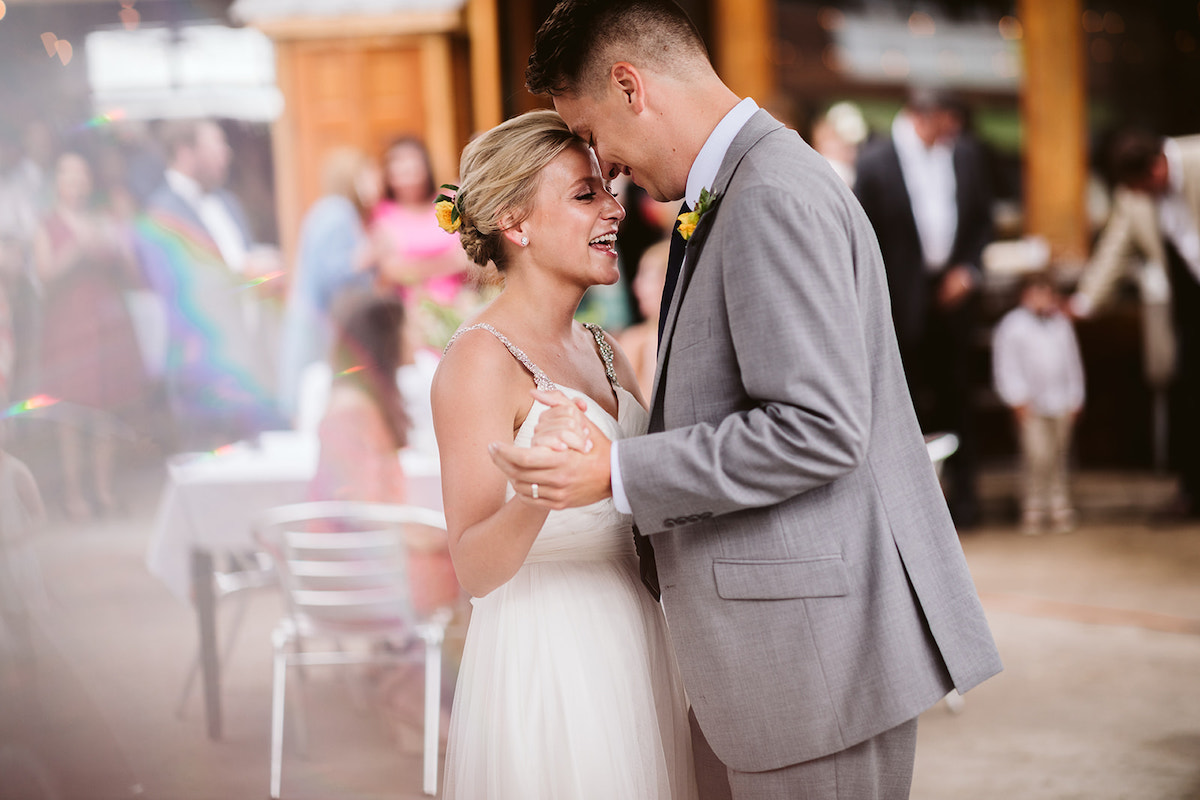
point(449, 217)
point(689, 221)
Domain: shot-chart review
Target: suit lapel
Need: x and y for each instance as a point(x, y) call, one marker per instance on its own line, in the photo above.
point(755, 129)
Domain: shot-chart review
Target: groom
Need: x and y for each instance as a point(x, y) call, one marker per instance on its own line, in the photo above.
point(817, 595)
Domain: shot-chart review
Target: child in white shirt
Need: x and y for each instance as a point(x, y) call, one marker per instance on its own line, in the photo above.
point(1038, 373)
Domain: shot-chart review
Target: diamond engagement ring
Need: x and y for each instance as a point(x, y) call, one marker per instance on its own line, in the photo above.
point(533, 491)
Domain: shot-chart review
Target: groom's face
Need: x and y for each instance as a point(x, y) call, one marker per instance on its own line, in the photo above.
point(621, 138)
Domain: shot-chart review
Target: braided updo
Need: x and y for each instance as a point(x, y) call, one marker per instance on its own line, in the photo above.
point(499, 175)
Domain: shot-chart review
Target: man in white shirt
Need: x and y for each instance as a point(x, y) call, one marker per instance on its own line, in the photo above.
point(1156, 212)
point(926, 191)
point(198, 255)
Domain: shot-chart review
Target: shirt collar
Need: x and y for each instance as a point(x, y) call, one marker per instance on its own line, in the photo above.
point(703, 173)
point(186, 187)
point(908, 143)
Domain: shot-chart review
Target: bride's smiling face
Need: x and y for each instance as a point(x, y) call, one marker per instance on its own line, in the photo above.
point(573, 225)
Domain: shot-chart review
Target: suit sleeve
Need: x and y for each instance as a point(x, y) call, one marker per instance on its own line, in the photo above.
point(1109, 259)
point(787, 275)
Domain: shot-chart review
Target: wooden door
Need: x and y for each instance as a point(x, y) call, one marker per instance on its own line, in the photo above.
point(361, 92)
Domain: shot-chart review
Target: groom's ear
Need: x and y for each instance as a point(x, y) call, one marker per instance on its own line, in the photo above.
point(628, 81)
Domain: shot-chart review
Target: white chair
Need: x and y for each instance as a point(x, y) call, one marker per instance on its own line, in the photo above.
point(343, 568)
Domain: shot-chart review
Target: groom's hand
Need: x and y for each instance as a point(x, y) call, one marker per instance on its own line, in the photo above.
point(567, 477)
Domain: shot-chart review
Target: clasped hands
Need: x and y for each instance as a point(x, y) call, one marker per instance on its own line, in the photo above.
point(566, 464)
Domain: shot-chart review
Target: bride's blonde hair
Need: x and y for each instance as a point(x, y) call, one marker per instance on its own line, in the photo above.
point(498, 177)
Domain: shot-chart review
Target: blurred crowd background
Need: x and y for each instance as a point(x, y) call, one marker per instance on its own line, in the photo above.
point(188, 189)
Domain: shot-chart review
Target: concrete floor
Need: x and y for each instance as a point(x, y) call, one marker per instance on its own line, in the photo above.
point(1100, 699)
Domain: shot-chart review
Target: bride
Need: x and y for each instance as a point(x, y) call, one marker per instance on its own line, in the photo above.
point(568, 687)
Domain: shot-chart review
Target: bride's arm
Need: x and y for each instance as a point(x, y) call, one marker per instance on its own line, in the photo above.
point(480, 395)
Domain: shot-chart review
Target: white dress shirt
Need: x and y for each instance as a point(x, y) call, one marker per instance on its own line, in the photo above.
point(1175, 215)
point(213, 212)
point(702, 175)
point(1036, 363)
point(932, 190)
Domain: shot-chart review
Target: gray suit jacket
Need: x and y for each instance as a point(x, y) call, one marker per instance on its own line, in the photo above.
point(815, 588)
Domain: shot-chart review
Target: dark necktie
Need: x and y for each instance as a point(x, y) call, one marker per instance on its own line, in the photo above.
point(645, 550)
point(674, 264)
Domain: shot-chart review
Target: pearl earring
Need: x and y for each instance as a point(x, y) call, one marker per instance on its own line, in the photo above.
point(524, 241)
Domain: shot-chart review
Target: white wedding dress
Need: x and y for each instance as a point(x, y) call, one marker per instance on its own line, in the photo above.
point(568, 688)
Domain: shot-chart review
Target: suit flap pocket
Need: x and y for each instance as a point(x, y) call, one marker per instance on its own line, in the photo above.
point(741, 579)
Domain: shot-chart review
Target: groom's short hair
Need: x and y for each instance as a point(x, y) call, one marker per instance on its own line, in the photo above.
point(582, 38)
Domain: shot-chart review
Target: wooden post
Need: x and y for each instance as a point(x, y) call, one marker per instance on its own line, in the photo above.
point(289, 207)
point(743, 31)
point(438, 89)
point(1052, 109)
point(483, 31)
point(520, 27)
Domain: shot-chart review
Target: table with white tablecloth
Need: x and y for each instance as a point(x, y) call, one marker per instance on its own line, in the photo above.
point(208, 508)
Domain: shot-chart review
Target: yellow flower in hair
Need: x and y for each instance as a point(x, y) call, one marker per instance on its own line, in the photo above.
point(447, 220)
point(689, 220)
point(449, 215)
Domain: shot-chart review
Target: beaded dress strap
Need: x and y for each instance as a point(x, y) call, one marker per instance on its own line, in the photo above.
point(539, 378)
point(606, 353)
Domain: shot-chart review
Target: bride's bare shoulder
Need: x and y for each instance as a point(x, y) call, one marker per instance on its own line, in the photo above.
point(477, 368)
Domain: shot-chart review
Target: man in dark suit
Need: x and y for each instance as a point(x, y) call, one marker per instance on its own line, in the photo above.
point(198, 256)
point(926, 191)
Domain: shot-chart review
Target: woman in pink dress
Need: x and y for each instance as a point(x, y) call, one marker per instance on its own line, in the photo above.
point(90, 360)
point(416, 259)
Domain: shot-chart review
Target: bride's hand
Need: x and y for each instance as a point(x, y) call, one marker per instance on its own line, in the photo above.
point(563, 426)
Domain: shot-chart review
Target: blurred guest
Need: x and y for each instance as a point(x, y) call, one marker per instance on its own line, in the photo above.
point(41, 145)
point(926, 191)
point(20, 210)
point(21, 514)
point(365, 427)
point(20, 187)
point(89, 352)
point(1156, 211)
point(837, 135)
point(21, 506)
point(1038, 373)
point(416, 259)
point(361, 434)
point(145, 163)
point(198, 255)
point(640, 341)
point(8, 344)
point(333, 256)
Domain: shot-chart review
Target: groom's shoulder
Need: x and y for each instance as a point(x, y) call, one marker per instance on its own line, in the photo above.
point(781, 160)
